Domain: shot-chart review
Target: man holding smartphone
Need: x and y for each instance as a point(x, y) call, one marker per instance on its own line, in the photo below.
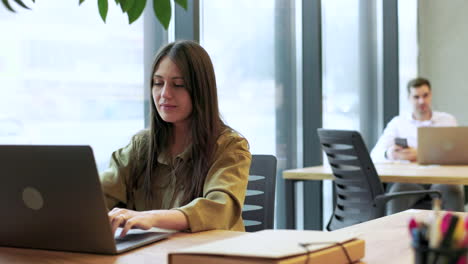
point(399, 142)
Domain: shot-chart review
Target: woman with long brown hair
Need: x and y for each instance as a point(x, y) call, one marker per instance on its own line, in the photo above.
point(189, 170)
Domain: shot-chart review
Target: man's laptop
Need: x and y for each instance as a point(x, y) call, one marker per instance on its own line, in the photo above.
point(51, 198)
point(443, 145)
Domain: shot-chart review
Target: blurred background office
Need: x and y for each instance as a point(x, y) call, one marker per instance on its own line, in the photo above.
point(284, 68)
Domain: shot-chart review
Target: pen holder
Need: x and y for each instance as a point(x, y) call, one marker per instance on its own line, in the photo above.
point(427, 255)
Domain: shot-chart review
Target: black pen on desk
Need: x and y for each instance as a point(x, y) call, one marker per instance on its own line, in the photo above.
point(418, 235)
point(423, 234)
point(448, 236)
point(420, 242)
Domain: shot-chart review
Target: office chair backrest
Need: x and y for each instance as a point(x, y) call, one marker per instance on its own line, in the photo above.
point(258, 210)
point(356, 179)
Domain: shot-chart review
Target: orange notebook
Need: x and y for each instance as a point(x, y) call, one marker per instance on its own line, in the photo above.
point(275, 246)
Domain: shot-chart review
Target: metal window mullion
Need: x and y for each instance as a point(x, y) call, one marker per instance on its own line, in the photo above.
point(187, 22)
point(312, 108)
point(390, 75)
point(285, 113)
point(368, 71)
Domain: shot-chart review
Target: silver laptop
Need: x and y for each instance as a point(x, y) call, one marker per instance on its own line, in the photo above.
point(443, 145)
point(51, 198)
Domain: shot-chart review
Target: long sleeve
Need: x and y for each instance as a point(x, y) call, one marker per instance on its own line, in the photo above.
point(385, 141)
point(223, 192)
point(113, 180)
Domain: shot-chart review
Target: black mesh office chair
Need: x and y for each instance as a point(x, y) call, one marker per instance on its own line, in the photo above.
point(359, 193)
point(258, 210)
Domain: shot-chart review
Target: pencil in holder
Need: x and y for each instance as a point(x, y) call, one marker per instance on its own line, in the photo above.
point(426, 255)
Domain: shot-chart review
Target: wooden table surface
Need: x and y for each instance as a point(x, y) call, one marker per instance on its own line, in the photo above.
point(387, 242)
point(387, 238)
point(153, 253)
point(393, 172)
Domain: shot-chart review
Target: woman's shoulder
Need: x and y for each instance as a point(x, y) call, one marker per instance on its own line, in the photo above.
point(141, 137)
point(140, 142)
point(233, 140)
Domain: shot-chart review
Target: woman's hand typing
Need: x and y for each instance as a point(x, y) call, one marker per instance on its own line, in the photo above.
point(128, 219)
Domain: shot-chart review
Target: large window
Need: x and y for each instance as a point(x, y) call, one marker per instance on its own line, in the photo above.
point(242, 51)
point(68, 78)
point(407, 47)
point(340, 44)
point(252, 45)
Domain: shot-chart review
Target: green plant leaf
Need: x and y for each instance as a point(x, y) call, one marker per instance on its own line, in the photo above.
point(7, 5)
point(103, 6)
point(182, 3)
point(21, 4)
point(119, 2)
point(136, 10)
point(81, 1)
point(163, 11)
point(126, 4)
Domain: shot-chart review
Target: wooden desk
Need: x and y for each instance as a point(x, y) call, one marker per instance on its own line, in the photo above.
point(387, 241)
point(387, 238)
point(393, 172)
point(153, 253)
point(388, 172)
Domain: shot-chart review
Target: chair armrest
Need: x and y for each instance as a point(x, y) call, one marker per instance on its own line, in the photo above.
point(381, 200)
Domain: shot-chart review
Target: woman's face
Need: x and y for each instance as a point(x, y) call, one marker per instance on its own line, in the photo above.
point(170, 95)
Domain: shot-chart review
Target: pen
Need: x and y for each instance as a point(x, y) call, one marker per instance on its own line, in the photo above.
point(419, 243)
point(416, 237)
point(448, 225)
point(434, 234)
point(448, 234)
point(459, 229)
point(445, 223)
point(464, 244)
point(412, 224)
point(459, 233)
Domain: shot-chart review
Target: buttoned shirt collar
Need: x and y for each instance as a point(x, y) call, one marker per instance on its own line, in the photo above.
point(418, 123)
point(165, 157)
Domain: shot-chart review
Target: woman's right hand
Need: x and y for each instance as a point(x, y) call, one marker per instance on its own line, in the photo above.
point(128, 219)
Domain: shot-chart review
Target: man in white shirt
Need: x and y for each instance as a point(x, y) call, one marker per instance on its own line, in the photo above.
point(406, 126)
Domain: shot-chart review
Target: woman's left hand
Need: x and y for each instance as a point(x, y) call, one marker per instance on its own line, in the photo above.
point(128, 219)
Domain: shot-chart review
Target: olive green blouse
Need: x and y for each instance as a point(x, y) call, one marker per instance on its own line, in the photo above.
point(223, 192)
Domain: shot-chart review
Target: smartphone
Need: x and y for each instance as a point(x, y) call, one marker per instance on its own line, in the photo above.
point(402, 142)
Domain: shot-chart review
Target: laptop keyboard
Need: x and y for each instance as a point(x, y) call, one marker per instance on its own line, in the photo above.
point(137, 237)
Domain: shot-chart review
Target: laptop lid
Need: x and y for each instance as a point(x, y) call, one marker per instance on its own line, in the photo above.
point(443, 145)
point(52, 199)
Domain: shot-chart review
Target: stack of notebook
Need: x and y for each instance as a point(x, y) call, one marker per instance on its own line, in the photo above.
point(276, 246)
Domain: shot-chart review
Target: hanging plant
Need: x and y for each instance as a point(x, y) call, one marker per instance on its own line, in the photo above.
point(133, 8)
